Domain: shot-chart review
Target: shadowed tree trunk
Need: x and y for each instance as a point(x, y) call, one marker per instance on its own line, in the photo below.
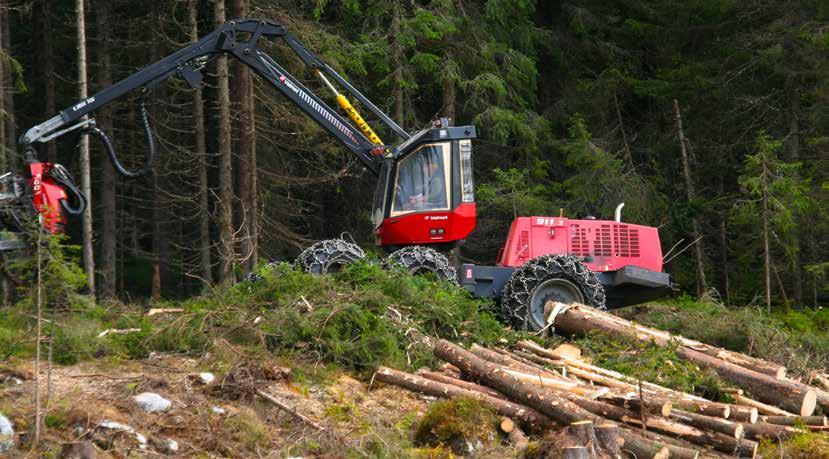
point(201, 158)
point(86, 178)
point(696, 233)
point(225, 204)
point(45, 64)
point(242, 90)
point(108, 260)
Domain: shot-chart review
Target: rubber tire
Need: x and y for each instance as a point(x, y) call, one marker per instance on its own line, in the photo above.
point(328, 256)
point(519, 290)
point(418, 259)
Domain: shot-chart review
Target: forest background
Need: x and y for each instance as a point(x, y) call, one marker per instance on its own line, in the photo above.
point(574, 104)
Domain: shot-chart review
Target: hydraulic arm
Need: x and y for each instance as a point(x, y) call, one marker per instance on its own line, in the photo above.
point(238, 38)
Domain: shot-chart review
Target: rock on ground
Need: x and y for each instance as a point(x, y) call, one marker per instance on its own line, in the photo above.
point(151, 402)
point(6, 434)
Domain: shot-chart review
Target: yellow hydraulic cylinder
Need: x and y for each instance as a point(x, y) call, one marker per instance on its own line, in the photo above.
point(358, 120)
point(352, 112)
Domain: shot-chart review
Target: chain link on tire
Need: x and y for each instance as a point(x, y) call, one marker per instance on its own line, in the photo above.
point(518, 292)
point(418, 259)
point(328, 256)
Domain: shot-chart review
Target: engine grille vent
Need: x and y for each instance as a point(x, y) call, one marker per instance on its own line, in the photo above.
point(579, 244)
point(601, 245)
point(610, 240)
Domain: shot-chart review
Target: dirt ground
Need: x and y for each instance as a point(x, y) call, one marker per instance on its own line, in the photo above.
point(220, 419)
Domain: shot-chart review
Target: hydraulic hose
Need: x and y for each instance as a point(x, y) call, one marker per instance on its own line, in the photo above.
point(148, 165)
point(62, 176)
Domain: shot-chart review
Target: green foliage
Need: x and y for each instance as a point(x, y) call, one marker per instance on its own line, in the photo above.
point(456, 419)
point(798, 339)
point(652, 363)
point(358, 319)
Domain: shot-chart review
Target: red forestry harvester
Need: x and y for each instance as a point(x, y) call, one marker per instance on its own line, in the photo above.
point(424, 202)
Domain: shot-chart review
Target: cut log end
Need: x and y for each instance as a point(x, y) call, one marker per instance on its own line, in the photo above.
point(809, 403)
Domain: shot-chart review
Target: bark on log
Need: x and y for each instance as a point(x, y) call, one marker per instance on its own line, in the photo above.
point(524, 414)
point(507, 361)
point(744, 414)
point(659, 407)
point(685, 432)
point(729, 428)
point(761, 408)
point(664, 338)
point(446, 379)
point(786, 394)
point(677, 448)
point(557, 383)
point(764, 430)
point(817, 421)
point(557, 408)
point(608, 439)
point(514, 433)
point(584, 433)
point(577, 452)
point(688, 402)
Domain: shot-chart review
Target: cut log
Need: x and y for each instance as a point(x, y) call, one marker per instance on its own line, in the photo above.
point(763, 430)
point(558, 384)
point(524, 414)
point(614, 379)
point(566, 351)
point(761, 408)
point(744, 414)
point(507, 361)
point(685, 432)
point(817, 421)
point(786, 394)
point(577, 452)
point(608, 439)
point(657, 406)
point(514, 433)
point(663, 338)
point(446, 379)
point(678, 448)
point(546, 401)
point(725, 427)
point(584, 434)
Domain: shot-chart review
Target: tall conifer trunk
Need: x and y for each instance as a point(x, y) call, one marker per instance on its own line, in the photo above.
point(242, 90)
point(689, 192)
point(226, 236)
point(106, 284)
point(86, 176)
point(201, 160)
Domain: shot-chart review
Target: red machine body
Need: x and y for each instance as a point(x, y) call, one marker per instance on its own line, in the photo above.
point(604, 245)
point(47, 196)
point(428, 227)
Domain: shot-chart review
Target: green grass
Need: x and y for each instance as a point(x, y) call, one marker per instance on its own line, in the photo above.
point(357, 320)
point(798, 339)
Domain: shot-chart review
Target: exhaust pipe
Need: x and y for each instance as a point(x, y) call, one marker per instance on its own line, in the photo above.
point(619, 212)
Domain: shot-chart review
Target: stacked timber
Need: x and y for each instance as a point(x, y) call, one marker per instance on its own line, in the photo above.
point(599, 413)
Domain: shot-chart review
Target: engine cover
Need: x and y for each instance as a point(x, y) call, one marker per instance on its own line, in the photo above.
point(602, 245)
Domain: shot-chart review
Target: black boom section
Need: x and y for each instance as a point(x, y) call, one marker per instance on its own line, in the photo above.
point(237, 38)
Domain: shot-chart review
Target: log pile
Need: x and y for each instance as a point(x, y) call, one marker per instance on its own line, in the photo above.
point(599, 413)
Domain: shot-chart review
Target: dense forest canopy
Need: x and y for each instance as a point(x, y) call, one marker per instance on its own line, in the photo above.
point(573, 101)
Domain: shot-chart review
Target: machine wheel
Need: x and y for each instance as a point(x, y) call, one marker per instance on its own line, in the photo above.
point(417, 259)
point(328, 256)
point(560, 278)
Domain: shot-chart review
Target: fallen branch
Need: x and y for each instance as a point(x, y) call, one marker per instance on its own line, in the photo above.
point(299, 416)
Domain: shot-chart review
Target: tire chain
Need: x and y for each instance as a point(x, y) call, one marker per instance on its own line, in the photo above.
point(518, 290)
point(417, 258)
point(317, 258)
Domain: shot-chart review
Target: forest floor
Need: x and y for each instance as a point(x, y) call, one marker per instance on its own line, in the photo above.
point(313, 343)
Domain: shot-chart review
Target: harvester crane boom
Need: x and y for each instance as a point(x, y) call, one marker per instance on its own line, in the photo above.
point(238, 38)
